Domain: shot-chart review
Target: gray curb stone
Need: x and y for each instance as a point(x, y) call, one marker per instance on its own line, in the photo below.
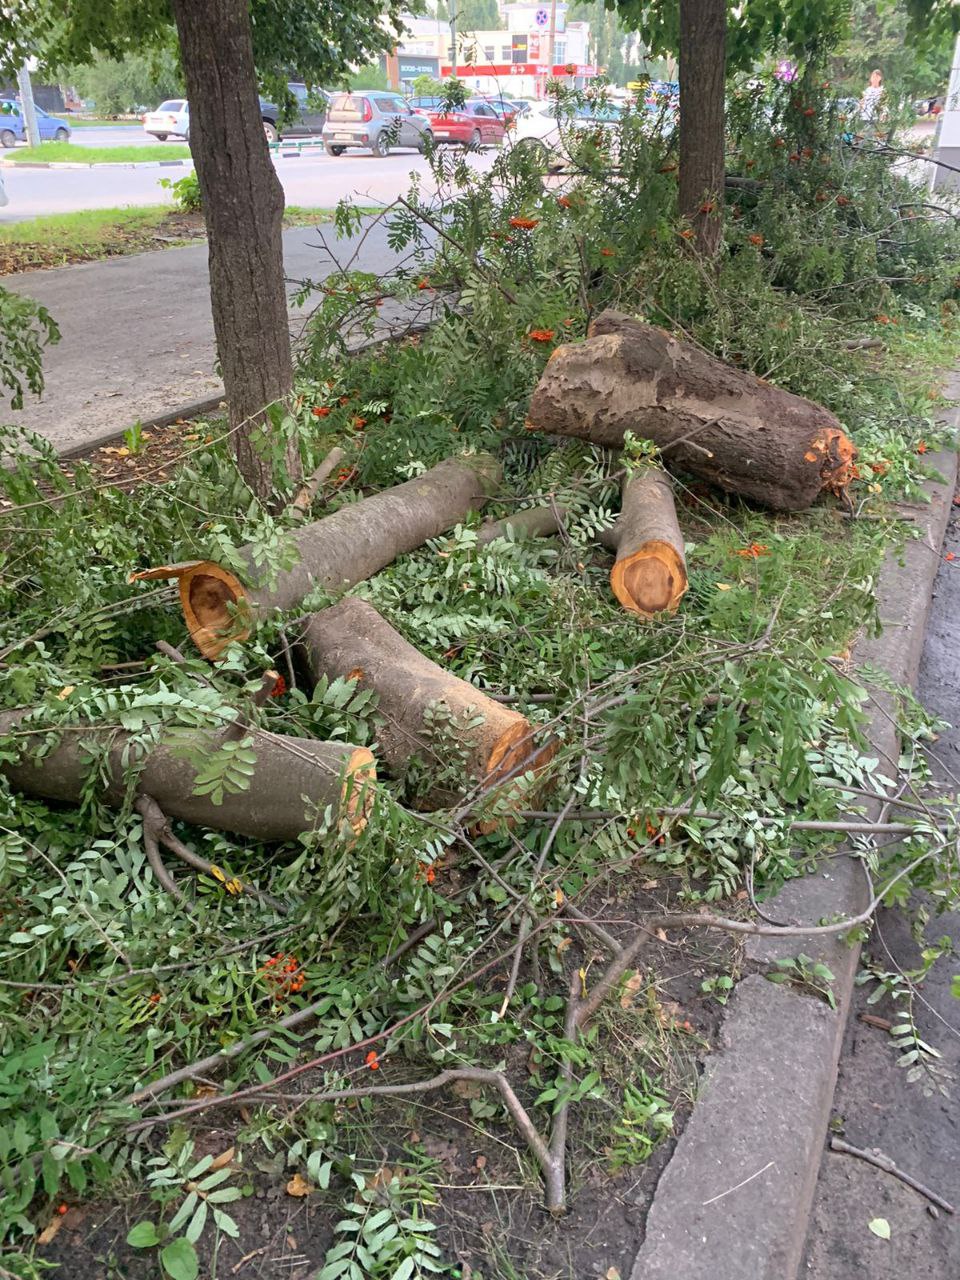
point(734, 1202)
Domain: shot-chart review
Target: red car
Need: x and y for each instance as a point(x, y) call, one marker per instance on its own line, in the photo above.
point(475, 124)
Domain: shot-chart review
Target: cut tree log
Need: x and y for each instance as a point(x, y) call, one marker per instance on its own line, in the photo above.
point(294, 779)
point(533, 522)
point(719, 423)
point(351, 640)
point(649, 575)
point(335, 553)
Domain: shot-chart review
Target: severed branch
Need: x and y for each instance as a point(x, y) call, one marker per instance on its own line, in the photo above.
point(161, 831)
point(883, 1162)
point(154, 821)
point(304, 499)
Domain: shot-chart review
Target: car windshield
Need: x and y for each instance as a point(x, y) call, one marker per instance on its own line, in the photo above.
point(172, 105)
point(347, 107)
point(606, 113)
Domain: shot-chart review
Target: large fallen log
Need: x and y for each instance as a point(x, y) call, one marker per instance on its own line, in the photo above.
point(719, 423)
point(649, 575)
point(336, 552)
point(351, 640)
point(293, 780)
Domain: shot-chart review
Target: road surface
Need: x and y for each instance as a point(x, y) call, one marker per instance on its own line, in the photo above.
point(316, 181)
point(137, 333)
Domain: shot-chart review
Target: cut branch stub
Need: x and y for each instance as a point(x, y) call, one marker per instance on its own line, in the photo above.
point(532, 522)
point(649, 575)
point(718, 423)
point(334, 553)
point(293, 780)
point(351, 640)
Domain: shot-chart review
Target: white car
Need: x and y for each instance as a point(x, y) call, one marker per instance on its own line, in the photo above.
point(548, 126)
point(170, 118)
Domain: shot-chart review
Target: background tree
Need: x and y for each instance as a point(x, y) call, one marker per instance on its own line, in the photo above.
point(472, 15)
point(225, 46)
point(119, 85)
point(879, 37)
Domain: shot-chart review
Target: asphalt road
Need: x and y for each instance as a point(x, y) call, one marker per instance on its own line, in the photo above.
point(918, 1127)
point(317, 181)
point(137, 333)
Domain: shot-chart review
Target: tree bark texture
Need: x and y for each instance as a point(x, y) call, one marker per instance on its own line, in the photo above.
point(335, 553)
point(703, 36)
point(243, 210)
point(294, 779)
point(720, 424)
point(351, 640)
point(649, 575)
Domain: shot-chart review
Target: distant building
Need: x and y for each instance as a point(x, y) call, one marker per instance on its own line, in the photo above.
point(515, 61)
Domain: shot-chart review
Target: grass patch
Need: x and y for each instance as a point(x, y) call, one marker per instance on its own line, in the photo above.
point(90, 234)
point(58, 152)
point(74, 123)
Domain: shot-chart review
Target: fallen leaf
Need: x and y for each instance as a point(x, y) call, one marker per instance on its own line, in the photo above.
point(413, 1137)
point(50, 1230)
point(291, 1243)
point(611, 1274)
point(661, 934)
point(558, 897)
point(65, 692)
point(223, 1159)
point(298, 1186)
point(649, 884)
point(630, 989)
point(467, 1088)
point(723, 586)
point(480, 1162)
point(880, 1227)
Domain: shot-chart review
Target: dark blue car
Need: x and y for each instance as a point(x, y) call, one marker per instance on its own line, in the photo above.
point(14, 130)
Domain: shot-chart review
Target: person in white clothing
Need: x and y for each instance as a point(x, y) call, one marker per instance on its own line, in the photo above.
point(870, 102)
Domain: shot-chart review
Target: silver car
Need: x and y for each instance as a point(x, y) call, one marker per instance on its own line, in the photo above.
point(375, 121)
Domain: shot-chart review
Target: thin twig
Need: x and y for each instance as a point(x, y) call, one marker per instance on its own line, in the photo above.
point(883, 1162)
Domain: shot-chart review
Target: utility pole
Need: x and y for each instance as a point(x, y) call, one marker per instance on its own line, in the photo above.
point(946, 141)
point(27, 107)
point(552, 38)
point(453, 36)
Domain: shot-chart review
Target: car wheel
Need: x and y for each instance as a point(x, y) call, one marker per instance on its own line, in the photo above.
point(333, 151)
point(62, 135)
point(426, 138)
point(160, 137)
point(8, 139)
point(270, 131)
point(475, 139)
point(381, 147)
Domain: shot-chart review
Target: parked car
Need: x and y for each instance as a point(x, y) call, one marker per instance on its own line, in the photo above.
point(374, 121)
point(546, 130)
point(475, 124)
point(171, 119)
point(505, 108)
point(312, 108)
point(421, 103)
point(13, 128)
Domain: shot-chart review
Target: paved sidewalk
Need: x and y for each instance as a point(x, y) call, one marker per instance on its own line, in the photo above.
point(137, 333)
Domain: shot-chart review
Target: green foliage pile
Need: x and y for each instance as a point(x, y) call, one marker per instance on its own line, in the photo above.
point(742, 704)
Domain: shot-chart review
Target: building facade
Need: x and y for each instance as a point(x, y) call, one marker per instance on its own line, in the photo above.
point(514, 61)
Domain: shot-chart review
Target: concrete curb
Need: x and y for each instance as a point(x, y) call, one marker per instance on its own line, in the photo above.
point(99, 164)
point(734, 1202)
point(192, 409)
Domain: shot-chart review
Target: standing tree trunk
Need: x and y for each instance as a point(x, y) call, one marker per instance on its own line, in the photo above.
point(243, 208)
point(703, 34)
